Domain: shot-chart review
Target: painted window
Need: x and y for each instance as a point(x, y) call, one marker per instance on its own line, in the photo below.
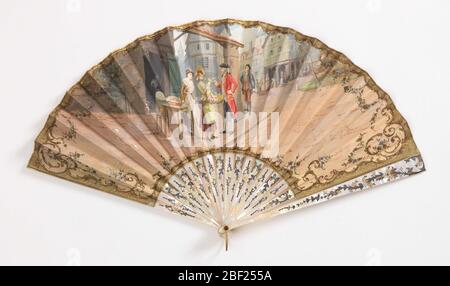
point(205, 62)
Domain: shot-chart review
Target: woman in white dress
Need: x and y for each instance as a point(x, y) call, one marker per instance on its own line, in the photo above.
point(188, 99)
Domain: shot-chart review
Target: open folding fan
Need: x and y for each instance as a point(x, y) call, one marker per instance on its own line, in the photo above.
point(227, 122)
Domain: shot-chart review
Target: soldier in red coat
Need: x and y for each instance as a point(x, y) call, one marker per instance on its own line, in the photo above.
point(229, 86)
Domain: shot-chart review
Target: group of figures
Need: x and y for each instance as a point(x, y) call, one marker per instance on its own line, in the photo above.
point(208, 101)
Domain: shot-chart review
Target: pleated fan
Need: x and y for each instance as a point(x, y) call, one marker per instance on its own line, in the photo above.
point(227, 122)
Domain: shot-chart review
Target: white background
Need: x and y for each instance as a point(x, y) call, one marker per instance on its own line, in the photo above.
point(47, 45)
